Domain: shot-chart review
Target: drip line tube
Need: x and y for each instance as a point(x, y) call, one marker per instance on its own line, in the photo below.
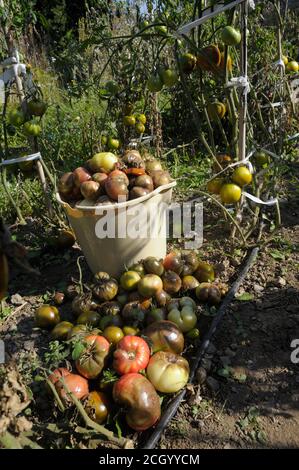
point(175, 403)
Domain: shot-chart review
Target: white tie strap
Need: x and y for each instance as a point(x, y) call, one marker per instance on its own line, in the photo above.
point(240, 82)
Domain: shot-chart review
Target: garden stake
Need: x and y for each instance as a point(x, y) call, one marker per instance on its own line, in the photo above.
point(173, 407)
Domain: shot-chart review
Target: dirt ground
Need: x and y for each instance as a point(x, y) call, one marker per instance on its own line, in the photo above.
point(247, 389)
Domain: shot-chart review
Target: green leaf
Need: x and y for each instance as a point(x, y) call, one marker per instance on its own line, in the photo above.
point(253, 412)
point(244, 297)
point(276, 254)
point(243, 423)
point(79, 348)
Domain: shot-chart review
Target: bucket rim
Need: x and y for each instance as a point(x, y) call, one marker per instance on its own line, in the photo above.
point(117, 205)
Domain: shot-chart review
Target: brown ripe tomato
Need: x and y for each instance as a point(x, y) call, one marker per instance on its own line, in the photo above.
point(89, 317)
point(162, 298)
point(171, 282)
point(116, 188)
point(190, 260)
point(131, 355)
point(47, 316)
point(65, 239)
point(61, 330)
point(144, 181)
point(92, 360)
point(164, 336)
point(153, 265)
point(209, 58)
point(137, 395)
point(97, 406)
point(173, 262)
point(81, 175)
point(106, 289)
point(223, 159)
point(137, 192)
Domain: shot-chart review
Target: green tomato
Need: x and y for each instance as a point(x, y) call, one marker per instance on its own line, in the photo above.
point(185, 319)
point(129, 120)
point(113, 143)
point(11, 130)
point(129, 280)
point(230, 36)
point(16, 117)
point(162, 29)
point(141, 118)
point(169, 77)
point(36, 107)
point(32, 129)
point(187, 301)
point(154, 83)
point(104, 140)
point(144, 24)
point(193, 334)
point(140, 128)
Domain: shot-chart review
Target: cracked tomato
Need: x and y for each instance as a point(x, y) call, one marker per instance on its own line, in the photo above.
point(132, 355)
point(92, 360)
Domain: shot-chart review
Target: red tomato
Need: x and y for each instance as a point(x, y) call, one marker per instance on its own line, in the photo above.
point(132, 355)
point(75, 384)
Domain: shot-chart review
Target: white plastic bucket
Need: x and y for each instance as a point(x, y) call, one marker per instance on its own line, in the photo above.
point(140, 230)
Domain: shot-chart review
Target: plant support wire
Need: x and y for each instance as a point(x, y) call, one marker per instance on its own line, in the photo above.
point(172, 408)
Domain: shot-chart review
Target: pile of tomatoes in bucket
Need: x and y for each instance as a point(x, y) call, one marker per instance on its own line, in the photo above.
point(106, 178)
point(129, 335)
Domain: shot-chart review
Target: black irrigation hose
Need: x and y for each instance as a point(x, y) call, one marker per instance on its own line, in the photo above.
point(172, 408)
